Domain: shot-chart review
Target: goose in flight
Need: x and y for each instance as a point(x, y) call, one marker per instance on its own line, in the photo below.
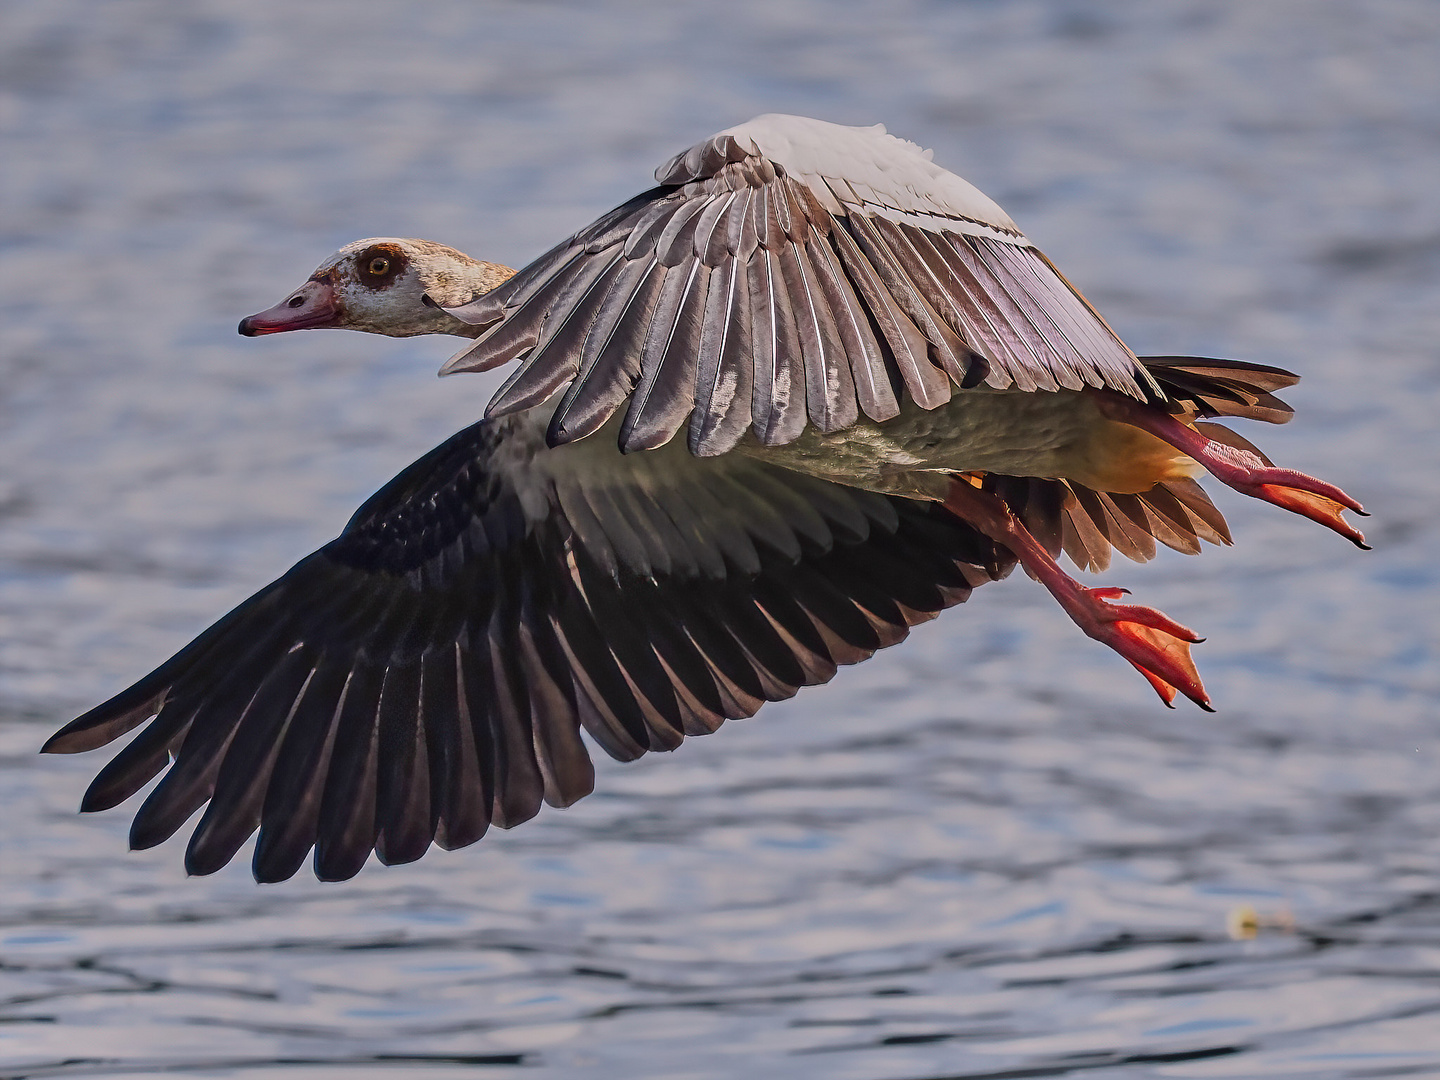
point(808, 391)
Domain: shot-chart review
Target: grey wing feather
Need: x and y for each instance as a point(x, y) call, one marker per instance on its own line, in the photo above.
point(849, 301)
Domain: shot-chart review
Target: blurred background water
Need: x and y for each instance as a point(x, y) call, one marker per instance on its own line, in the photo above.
point(986, 853)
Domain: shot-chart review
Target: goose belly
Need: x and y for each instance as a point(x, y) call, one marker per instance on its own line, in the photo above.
point(1056, 435)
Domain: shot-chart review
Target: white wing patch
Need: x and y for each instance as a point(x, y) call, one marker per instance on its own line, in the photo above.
point(866, 168)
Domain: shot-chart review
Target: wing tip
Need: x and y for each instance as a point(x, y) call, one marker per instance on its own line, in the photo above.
point(464, 361)
point(103, 724)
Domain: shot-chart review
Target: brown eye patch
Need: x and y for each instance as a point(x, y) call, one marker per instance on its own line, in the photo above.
point(379, 265)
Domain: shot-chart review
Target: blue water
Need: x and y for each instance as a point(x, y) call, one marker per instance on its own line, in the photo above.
point(988, 852)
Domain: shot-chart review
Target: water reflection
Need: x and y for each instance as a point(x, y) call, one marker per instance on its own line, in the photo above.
point(985, 853)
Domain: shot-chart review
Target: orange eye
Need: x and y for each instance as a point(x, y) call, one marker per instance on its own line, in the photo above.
point(378, 266)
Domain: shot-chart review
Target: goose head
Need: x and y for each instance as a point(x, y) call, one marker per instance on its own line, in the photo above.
point(384, 285)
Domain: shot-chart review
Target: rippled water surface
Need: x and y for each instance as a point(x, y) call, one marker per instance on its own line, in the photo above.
point(986, 853)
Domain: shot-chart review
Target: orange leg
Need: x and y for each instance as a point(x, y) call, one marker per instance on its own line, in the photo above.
point(1157, 645)
point(1240, 469)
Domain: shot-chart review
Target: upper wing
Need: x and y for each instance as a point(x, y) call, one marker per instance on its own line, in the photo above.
point(787, 271)
point(428, 672)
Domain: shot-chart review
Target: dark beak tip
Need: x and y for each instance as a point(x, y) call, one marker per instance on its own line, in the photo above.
point(246, 329)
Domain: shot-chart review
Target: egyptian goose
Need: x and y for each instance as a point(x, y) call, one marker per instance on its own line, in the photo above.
point(860, 392)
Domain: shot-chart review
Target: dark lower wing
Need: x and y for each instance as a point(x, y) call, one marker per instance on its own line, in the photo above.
point(428, 673)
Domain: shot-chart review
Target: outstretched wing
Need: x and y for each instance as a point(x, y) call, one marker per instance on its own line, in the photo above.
point(427, 674)
point(786, 272)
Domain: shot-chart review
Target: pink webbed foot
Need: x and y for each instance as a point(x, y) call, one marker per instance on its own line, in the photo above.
point(1156, 645)
point(1294, 491)
point(1241, 467)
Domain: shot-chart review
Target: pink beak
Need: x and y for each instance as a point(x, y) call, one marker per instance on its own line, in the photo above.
point(314, 304)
